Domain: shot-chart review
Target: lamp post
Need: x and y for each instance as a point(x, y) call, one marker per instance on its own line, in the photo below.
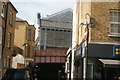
point(85, 59)
point(25, 44)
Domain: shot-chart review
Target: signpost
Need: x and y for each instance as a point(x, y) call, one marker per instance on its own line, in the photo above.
point(85, 59)
point(86, 38)
point(85, 33)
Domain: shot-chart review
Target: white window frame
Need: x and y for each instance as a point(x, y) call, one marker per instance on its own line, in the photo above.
point(115, 33)
point(9, 40)
point(11, 19)
point(3, 10)
point(29, 34)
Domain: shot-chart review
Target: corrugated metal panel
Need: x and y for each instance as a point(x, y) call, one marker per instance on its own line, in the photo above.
point(37, 59)
point(57, 59)
point(42, 59)
point(52, 59)
point(63, 59)
point(48, 60)
point(51, 52)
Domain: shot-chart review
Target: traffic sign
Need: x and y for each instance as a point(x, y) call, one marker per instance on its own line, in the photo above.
point(116, 51)
point(85, 33)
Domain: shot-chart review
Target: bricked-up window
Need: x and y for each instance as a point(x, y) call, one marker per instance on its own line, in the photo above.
point(3, 10)
point(114, 22)
point(9, 40)
point(11, 19)
point(28, 34)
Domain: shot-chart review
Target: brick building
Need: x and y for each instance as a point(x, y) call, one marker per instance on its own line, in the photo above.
point(102, 18)
point(7, 22)
point(2, 28)
point(25, 38)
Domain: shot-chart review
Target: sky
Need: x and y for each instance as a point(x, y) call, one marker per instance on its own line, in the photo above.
point(28, 9)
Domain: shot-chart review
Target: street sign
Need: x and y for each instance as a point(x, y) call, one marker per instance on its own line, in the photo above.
point(78, 52)
point(116, 51)
point(85, 33)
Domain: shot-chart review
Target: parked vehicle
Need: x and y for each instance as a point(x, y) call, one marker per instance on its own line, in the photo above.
point(15, 74)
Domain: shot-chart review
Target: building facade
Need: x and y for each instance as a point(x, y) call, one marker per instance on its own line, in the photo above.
point(102, 22)
point(55, 36)
point(2, 27)
point(8, 16)
point(55, 30)
point(25, 39)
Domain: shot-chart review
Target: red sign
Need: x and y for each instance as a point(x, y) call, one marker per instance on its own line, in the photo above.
point(85, 34)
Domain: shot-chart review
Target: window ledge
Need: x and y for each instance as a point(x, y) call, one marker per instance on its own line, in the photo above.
point(114, 35)
point(2, 15)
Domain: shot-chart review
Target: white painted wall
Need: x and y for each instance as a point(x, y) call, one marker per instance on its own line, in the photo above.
point(17, 59)
point(74, 36)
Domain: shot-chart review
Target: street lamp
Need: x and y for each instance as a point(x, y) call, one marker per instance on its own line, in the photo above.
point(25, 44)
point(85, 59)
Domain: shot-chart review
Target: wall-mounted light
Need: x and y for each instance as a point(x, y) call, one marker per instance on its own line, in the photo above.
point(90, 21)
point(25, 44)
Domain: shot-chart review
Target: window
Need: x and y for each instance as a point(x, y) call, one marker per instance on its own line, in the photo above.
point(48, 29)
point(9, 40)
point(60, 30)
point(33, 35)
point(114, 22)
point(52, 29)
point(56, 30)
point(6, 62)
point(3, 10)
point(0, 36)
point(28, 51)
point(64, 30)
point(43, 28)
point(11, 19)
point(29, 34)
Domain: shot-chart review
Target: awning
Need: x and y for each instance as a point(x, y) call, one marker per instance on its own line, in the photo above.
point(111, 62)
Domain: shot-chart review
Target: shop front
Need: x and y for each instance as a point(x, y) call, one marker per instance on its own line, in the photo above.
point(102, 64)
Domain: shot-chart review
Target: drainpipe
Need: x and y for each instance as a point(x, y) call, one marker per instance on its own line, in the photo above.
point(3, 40)
point(39, 30)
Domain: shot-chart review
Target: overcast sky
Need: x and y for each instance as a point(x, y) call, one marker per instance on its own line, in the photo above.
point(28, 9)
